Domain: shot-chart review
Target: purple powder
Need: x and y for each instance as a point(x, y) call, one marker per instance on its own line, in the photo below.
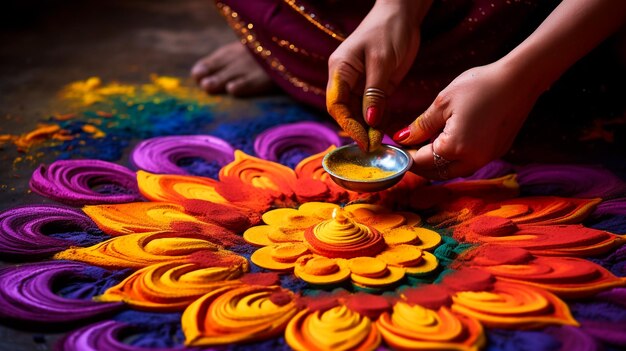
point(73, 182)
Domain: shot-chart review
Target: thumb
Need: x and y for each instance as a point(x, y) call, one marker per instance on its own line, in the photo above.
point(425, 127)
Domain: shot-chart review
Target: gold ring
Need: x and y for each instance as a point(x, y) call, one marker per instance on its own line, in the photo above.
point(441, 164)
point(375, 92)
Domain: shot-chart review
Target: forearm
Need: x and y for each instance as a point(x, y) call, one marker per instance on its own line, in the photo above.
point(573, 29)
point(415, 9)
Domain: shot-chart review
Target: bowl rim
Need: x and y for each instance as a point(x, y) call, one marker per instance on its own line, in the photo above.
point(378, 180)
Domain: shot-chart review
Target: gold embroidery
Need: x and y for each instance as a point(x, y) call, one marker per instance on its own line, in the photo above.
point(311, 17)
point(249, 38)
point(288, 45)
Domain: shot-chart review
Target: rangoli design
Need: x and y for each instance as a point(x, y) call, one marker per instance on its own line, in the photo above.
point(275, 256)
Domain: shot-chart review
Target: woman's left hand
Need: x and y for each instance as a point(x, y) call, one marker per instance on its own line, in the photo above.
point(473, 121)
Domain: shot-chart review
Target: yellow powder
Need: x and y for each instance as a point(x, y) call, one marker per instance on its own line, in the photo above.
point(357, 172)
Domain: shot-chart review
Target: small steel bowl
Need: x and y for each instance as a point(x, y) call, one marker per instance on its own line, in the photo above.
point(387, 158)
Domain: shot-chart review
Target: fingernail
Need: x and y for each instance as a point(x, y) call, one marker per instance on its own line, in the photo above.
point(402, 134)
point(372, 116)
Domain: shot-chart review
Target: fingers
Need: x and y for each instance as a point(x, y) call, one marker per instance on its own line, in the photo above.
point(439, 165)
point(428, 125)
point(342, 104)
point(378, 69)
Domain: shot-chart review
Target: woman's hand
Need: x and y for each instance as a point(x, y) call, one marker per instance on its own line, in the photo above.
point(471, 122)
point(378, 55)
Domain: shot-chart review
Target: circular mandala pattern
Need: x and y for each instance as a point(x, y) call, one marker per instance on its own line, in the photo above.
point(265, 250)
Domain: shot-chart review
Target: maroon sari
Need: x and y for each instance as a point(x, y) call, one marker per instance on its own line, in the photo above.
point(292, 41)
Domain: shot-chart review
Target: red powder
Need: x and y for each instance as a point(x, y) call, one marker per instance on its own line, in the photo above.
point(311, 189)
point(468, 280)
point(235, 191)
point(368, 305)
point(429, 296)
point(322, 302)
point(493, 226)
point(492, 255)
point(214, 259)
point(213, 233)
point(223, 215)
point(265, 279)
point(280, 298)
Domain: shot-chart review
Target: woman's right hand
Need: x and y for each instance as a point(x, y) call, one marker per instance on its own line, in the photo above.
point(378, 54)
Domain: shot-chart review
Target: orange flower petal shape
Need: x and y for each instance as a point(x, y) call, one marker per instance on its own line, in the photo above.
point(279, 257)
point(545, 210)
point(172, 286)
point(319, 210)
point(139, 250)
point(420, 237)
point(373, 272)
point(320, 270)
point(277, 179)
point(258, 235)
point(565, 277)
point(418, 328)
point(414, 261)
point(289, 218)
point(176, 188)
point(375, 216)
point(138, 217)
point(335, 329)
point(412, 219)
point(511, 305)
point(562, 240)
point(230, 315)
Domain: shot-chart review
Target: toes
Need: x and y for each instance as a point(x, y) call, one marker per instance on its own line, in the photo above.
point(249, 85)
point(216, 83)
point(216, 61)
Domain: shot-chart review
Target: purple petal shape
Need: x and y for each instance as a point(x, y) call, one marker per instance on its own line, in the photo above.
point(75, 182)
point(615, 207)
point(493, 169)
point(616, 296)
point(569, 180)
point(573, 338)
point(24, 230)
point(103, 336)
point(26, 294)
point(311, 137)
point(609, 332)
point(162, 154)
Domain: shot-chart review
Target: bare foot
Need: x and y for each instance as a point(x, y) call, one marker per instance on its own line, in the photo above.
point(231, 69)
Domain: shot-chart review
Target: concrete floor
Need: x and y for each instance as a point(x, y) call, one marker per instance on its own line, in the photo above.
point(46, 44)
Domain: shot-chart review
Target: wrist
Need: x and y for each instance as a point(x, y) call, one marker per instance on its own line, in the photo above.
point(414, 9)
point(530, 75)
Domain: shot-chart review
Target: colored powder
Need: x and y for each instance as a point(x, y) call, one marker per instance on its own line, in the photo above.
point(155, 330)
point(83, 238)
point(507, 340)
point(266, 279)
point(292, 157)
point(225, 216)
point(269, 114)
point(429, 296)
point(469, 280)
point(358, 172)
point(93, 282)
point(368, 305)
point(200, 167)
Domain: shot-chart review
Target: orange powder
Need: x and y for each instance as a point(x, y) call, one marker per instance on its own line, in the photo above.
point(358, 172)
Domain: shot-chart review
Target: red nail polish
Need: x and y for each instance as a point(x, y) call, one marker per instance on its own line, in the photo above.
point(402, 134)
point(372, 116)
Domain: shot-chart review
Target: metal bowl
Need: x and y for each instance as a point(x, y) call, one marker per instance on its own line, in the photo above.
point(386, 158)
